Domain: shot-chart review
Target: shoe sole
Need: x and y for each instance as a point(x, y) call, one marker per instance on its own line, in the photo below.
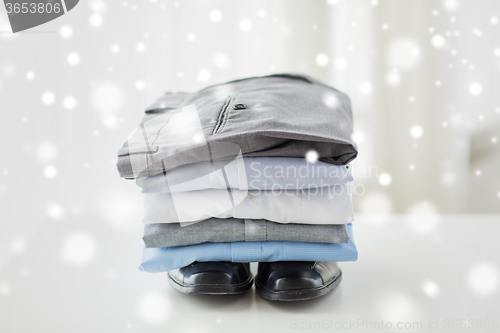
point(207, 289)
point(298, 295)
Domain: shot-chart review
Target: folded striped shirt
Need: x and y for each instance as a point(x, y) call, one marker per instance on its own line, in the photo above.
point(162, 259)
point(241, 230)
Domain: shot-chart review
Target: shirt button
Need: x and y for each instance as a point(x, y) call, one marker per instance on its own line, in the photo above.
point(239, 106)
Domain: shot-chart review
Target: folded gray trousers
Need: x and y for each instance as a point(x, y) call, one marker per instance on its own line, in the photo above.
point(216, 230)
point(281, 115)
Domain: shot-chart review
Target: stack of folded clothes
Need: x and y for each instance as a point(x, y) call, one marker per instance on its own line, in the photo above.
point(253, 170)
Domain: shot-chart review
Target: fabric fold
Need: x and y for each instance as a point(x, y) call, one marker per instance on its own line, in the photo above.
point(269, 116)
point(326, 205)
point(240, 230)
point(248, 173)
point(157, 260)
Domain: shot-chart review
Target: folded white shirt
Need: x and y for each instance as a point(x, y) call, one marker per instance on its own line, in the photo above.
point(249, 173)
point(325, 205)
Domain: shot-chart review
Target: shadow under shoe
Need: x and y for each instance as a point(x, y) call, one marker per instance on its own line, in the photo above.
point(212, 278)
point(296, 280)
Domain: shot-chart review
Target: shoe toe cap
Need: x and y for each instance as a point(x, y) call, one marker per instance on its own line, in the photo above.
point(293, 280)
point(211, 274)
point(298, 283)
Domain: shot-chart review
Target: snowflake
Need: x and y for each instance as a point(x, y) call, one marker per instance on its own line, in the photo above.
point(385, 179)
point(78, 249)
point(18, 245)
point(140, 47)
point(423, 218)
point(154, 307)
point(365, 87)
point(107, 97)
point(66, 31)
point(50, 171)
point(358, 137)
point(48, 98)
point(115, 48)
point(322, 59)
point(393, 78)
point(245, 25)
point(46, 152)
point(416, 131)
point(438, 41)
point(73, 58)
point(340, 63)
point(140, 85)
point(30, 76)
point(477, 32)
point(203, 75)
point(483, 279)
point(431, 289)
point(450, 4)
point(95, 20)
point(312, 156)
point(475, 88)
point(215, 15)
point(69, 102)
point(221, 60)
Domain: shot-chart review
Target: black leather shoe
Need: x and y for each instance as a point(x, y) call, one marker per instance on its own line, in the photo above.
point(296, 280)
point(212, 278)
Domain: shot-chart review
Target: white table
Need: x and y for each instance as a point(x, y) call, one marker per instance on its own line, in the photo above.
point(401, 276)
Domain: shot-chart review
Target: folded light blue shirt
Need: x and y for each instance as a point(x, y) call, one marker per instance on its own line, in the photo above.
point(162, 259)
